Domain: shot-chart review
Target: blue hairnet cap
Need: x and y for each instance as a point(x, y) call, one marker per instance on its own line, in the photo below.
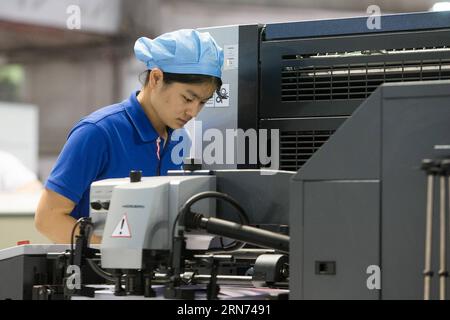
point(184, 51)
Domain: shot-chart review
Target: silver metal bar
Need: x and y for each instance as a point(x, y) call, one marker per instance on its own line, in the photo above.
point(221, 279)
point(443, 238)
point(428, 238)
point(225, 279)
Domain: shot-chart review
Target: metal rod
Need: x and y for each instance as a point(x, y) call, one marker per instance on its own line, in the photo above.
point(244, 254)
point(221, 279)
point(224, 279)
point(428, 238)
point(443, 238)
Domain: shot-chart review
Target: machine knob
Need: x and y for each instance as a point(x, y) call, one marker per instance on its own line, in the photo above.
point(432, 167)
point(445, 166)
point(269, 269)
point(135, 175)
point(105, 205)
point(190, 164)
point(97, 205)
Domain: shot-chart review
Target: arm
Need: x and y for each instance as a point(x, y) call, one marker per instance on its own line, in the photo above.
point(53, 218)
point(82, 158)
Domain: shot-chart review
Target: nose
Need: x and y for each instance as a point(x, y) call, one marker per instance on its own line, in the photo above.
point(193, 109)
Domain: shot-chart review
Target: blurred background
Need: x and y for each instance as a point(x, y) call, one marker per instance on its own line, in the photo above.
point(66, 73)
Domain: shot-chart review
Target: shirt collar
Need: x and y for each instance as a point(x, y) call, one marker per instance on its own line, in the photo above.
point(140, 120)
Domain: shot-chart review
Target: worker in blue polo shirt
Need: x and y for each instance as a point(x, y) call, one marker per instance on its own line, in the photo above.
point(183, 71)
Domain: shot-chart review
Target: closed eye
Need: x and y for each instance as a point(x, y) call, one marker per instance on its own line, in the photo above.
point(187, 99)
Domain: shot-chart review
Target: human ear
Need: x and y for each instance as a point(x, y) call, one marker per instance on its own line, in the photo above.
point(156, 78)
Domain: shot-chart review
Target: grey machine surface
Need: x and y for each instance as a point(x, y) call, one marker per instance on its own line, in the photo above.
point(143, 232)
point(137, 236)
point(21, 267)
point(360, 200)
point(239, 108)
point(263, 196)
point(130, 229)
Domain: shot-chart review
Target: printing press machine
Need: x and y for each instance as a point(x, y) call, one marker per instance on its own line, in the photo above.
point(358, 111)
point(149, 242)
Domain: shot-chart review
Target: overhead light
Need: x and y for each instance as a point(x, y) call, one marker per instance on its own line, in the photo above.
point(441, 6)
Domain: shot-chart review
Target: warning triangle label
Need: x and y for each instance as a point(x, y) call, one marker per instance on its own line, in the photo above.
point(122, 229)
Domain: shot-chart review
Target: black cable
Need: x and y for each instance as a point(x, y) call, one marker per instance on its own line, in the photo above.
point(71, 238)
point(185, 209)
point(99, 271)
point(235, 245)
point(173, 239)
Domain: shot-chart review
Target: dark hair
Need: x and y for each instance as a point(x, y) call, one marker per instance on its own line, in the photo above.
point(170, 78)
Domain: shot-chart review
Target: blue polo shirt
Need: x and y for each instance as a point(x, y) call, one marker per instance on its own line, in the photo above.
point(108, 144)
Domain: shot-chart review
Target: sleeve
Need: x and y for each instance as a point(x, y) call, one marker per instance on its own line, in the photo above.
point(14, 173)
point(81, 161)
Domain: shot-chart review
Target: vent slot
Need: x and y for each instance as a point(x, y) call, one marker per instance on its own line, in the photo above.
point(365, 53)
point(296, 147)
point(355, 81)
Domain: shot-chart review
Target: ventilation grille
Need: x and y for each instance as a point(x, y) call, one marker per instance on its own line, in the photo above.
point(296, 147)
point(366, 53)
point(355, 81)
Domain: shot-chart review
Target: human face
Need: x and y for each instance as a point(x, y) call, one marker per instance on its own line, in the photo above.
point(177, 103)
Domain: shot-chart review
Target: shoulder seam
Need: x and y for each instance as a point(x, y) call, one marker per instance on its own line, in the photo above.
point(87, 120)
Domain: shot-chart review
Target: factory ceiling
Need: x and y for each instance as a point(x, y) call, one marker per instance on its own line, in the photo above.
point(353, 5)
point(18, 38)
